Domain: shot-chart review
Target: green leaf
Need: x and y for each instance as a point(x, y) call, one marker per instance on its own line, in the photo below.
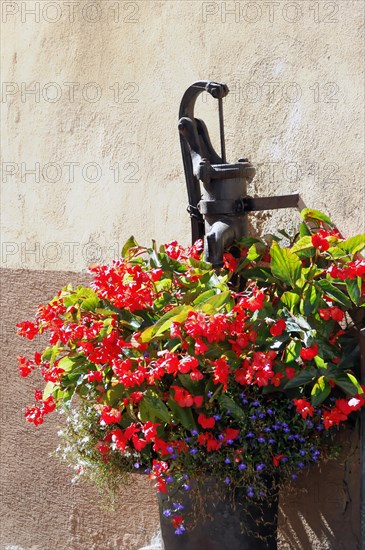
point(210, 281)
point(326, 350)
point(130, 243)
point(256, 251)
point(320, 391)
point(290, 300)
point(285, 234)
point(350, 359)
point(229, 405)
point(200, 264)
point(298, 324)
point(104, 312)
point(310, 300)
point(152, 407)
point(333, 292)
point(353, 245)
point(320, 363)
point(115, 394)
point(182, 414)
point(74, 378)
point(204, 297)
point(90, 303)
point(247, 242)
point(195, 387)
point(214, 304)
point(304, 248)
point(259, 274)
point(309, 213)
point(303, 244)
point(178, 317)
point(348, 383)
point(47, 354)
point(66, 395)
point(153, 255)
point(68, 364)
point(86, 297)
point(304, 229)
point(48, 390)
point(336, 252)
point(278, 341)
point(292, 351)
point(305, 376)
point(177, 314)
point(354, 289)
point(55, 352)
point(285, 265)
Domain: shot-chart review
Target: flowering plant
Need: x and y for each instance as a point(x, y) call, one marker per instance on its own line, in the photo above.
point(181, 369)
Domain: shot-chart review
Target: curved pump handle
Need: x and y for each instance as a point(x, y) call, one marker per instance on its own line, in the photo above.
point(196, 145)
point(215, 89)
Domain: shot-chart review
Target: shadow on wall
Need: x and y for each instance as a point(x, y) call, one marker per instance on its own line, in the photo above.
point(322, 509)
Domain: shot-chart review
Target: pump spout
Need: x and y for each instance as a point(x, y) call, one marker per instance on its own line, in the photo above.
point(221, 234)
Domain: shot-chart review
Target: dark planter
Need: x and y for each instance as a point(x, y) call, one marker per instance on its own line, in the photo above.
point(226, 524)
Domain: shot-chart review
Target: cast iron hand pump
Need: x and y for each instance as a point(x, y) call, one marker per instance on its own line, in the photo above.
point(225, 185)
point(219, 211)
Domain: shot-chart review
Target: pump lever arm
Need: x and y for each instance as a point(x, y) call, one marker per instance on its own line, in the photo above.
point(196, 145)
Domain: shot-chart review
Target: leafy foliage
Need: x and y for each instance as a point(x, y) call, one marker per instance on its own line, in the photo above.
point(242, 372)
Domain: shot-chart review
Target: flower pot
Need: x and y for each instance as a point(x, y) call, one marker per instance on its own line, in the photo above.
point(220, 522)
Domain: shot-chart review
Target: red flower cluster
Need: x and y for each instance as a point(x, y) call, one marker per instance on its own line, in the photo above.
point(342, 409)
point(307, 354)
point(95, 376)
point(277, 459)
point(221, 372)
point(212, 327)
point(26, 366)
point(206, 422)
point(36, 413)
point(177, 252)
point(206, 439)
point(110, 415)
point(171, 363)
point(230, 262)
point(303, 407)
point(334, 313)
point(185, 399)
point(124, 285)
point(258, 370)
point(28, 329)
point(348, 271)
point(254, 302)
point(159, 467)
point(278, 328)
point(320, 241)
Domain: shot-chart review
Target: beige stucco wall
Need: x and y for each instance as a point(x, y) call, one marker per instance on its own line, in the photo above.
point(100, 135)
point(107, 92)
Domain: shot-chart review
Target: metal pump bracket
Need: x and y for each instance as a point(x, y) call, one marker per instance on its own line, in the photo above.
point(218, 211)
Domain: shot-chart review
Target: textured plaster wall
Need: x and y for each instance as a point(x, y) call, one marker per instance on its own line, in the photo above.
point(108, 77)
point(93, 156)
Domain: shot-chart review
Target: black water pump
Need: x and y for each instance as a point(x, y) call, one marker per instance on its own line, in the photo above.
point(219, 210)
